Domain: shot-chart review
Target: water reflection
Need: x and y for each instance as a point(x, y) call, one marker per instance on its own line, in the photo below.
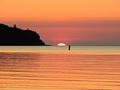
point(28, 71)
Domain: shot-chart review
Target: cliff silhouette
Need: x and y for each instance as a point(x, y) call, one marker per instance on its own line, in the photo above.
point(14, 36)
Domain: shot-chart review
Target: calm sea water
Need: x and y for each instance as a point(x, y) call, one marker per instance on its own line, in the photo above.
point(61, 71)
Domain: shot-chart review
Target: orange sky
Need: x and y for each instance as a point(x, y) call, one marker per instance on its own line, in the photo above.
point(32, 13)
point(58, 10)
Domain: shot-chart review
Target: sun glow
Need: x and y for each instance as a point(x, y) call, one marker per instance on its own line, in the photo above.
point(61, 44)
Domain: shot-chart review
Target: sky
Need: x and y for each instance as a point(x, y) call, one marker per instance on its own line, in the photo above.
point(75, 22)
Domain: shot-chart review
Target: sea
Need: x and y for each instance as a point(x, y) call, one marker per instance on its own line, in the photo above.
point(57, 68)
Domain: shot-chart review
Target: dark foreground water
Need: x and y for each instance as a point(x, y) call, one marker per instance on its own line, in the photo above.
point(30, 71)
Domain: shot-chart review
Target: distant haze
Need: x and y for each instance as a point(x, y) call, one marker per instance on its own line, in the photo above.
point(77, 33)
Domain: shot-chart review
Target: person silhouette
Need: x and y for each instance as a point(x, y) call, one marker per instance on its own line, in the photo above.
point(69, 48)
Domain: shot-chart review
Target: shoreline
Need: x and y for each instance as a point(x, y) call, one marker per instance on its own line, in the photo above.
point(75, 50)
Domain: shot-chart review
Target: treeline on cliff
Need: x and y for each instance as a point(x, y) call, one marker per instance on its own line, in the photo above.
point(18, 37)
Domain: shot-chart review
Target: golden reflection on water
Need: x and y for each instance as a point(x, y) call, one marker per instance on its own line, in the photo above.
point(28, 71)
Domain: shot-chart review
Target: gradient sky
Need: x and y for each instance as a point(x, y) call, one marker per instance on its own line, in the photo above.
point(92, 21)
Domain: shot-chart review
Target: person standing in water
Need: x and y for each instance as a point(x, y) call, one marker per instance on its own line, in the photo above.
point(69, 48)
